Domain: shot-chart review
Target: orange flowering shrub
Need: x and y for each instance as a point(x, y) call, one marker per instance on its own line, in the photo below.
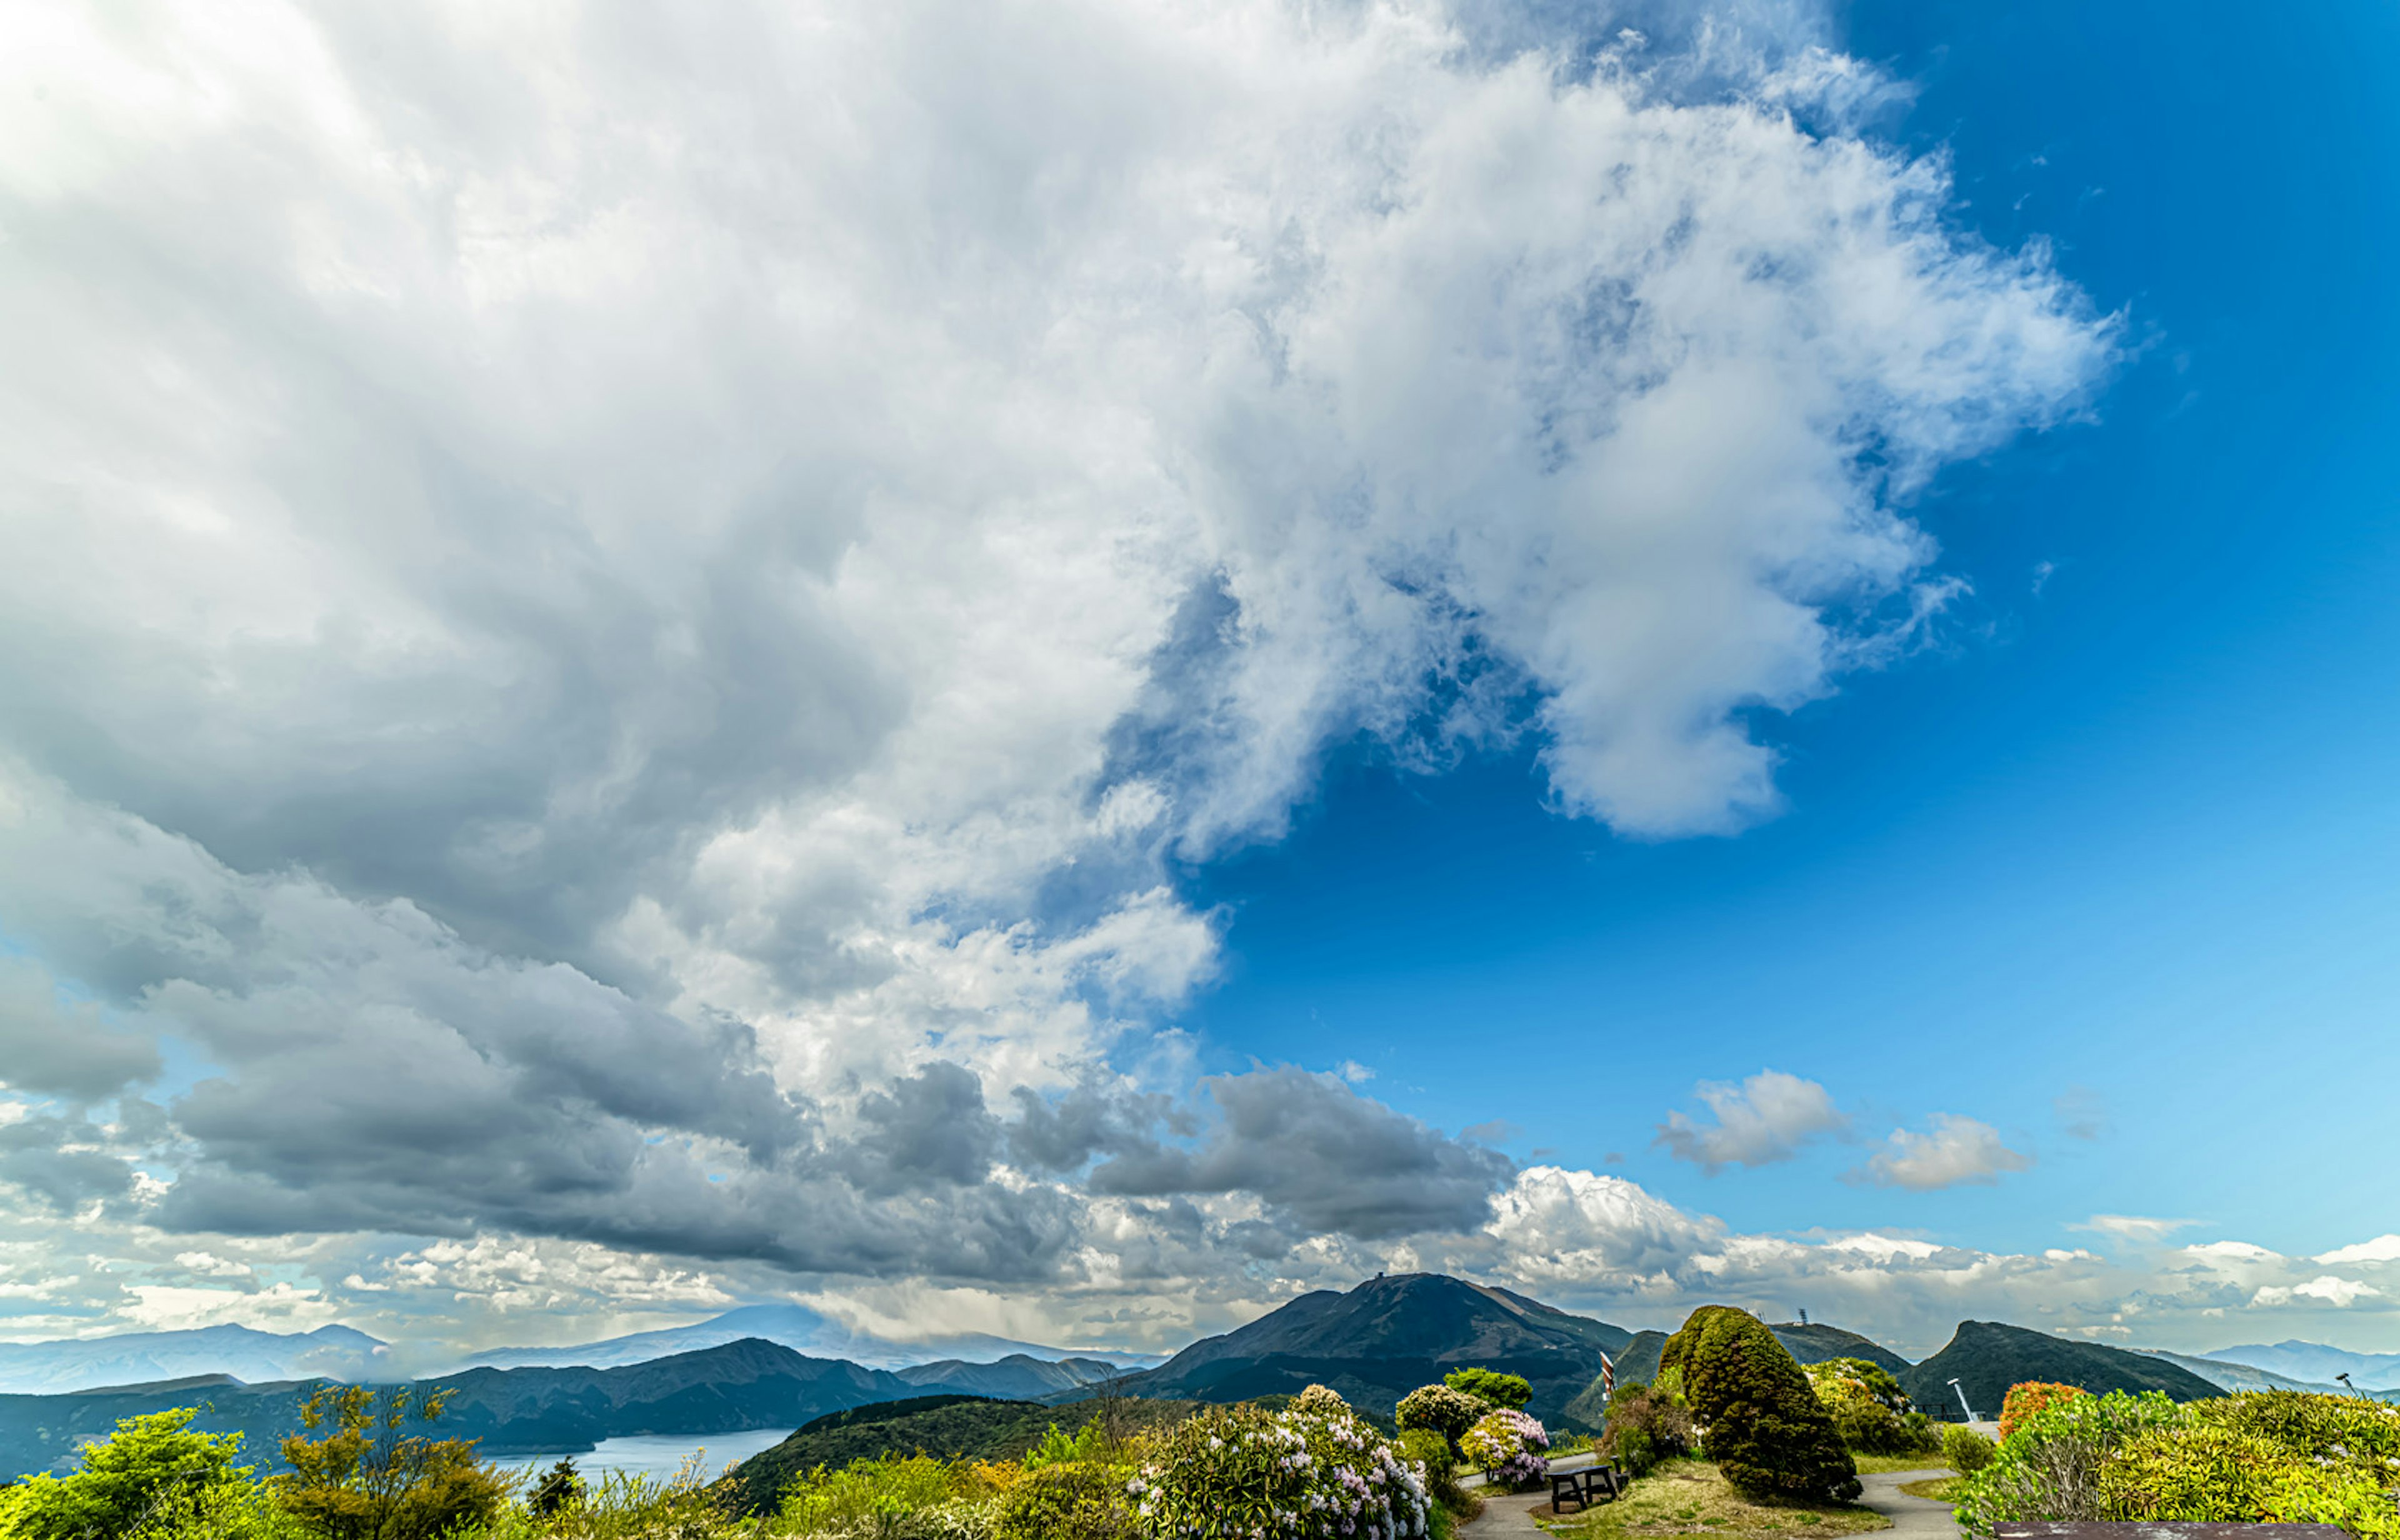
point(2030, 1397)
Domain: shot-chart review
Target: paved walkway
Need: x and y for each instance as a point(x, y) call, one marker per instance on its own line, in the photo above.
point(1912, 1518)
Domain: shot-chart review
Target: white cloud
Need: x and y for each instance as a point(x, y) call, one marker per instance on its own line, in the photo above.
point(211, 1266)
point(280, 1306)
point(2383, 1249)
point(1769, 1117)
point(679, 590)
point(1954, 1151)
point(2341, 1293)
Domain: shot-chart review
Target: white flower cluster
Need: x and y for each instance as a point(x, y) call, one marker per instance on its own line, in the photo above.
point(1245, 1474)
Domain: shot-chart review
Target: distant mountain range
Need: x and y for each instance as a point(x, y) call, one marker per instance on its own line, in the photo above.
point(2317, 1363)
point(330, 1352)
point(797, 1327)
point(1387, 1337)
point(753, 1367)
point(728, 1388)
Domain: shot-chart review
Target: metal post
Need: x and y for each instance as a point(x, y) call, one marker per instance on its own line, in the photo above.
point(1962, 1400)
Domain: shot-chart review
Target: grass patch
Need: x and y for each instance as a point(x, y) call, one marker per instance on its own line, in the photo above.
point(1881, 1464)
point(1939, 1489)
point(1690, 1497)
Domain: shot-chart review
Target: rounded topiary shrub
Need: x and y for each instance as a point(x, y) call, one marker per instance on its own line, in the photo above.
point(1245, 1471)
point(1486, 1384)
point(1964, 1450)
point(1430, 1451)
point(1506, 1446)
point(1446, 1411)
point(2027, 1396)
point(1758, 1419)
point(1319, 1399)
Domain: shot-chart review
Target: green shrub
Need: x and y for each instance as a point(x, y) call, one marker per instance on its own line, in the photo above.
point(1423, 1447)
point(1057, 1448)
point(2050, 1468)
point(1869, 1409)
point(1511, 1391)
point(2194, 1472)
point(1964, 1450)
point(1446, 1411)
point(1077, 1500)
point(230, 1511)
point(2343, 1429)
point(367, 1479)
point(1319, 1399)
point(149, 1465)
point(1767, 1432)
point(1646, 1423)
point(867, 1493)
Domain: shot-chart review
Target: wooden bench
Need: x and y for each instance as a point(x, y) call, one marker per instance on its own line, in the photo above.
point(1586, 1486)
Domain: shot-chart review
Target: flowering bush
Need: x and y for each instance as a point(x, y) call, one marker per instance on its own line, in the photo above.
point(1446, 1412)
point(1240, 1473)
point(1869, 1409)
point(2029, 1397)
point(1507, 1445)
point(2050, 1467)
point(1321, 1399)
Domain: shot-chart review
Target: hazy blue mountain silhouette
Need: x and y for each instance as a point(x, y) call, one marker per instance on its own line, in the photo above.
point(796, 1327)
point(2315, 1361)
point(730, 1388)
point(139, 1357)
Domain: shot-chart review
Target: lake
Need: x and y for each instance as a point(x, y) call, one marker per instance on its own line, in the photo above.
point(659, 1456)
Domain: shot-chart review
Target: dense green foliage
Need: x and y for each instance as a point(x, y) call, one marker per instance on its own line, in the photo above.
point(1647, 1424)
point(1075, 1501)
point(2271, 1456)
point(1319, 1399)
point(1869, 1409)
point(951, 1427)
point(153, 1466)
point(1758, 1418)
point(1423, 1446)
point(1964, 1450)
point(1502, 1390)
point(370, 1478)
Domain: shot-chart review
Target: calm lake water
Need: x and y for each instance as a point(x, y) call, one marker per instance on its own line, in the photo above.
point(660, 1455)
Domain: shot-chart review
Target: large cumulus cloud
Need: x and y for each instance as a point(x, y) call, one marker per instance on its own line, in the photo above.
point(616, 621)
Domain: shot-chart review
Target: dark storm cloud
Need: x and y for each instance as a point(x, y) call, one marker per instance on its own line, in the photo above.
point(1324, 1157)
point(1060, 1135)
point(56, 1162)
point(63, 1050)
point(929, 1127)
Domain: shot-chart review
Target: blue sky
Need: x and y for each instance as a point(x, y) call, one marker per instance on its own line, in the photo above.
point(2126, 825)
point(1065, 677)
